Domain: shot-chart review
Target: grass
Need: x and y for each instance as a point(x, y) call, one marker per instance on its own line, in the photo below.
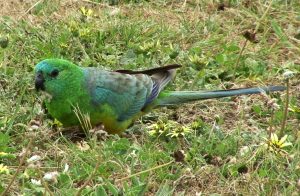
point(221, 151)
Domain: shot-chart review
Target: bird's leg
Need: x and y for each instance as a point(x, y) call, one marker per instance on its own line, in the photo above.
point(99, 132)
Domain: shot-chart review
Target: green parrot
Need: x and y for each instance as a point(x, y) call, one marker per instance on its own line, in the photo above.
point(115, 99)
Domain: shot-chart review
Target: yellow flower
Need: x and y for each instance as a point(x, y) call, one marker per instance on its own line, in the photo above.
point(85, 32)
point(73, 27)
point(3, 169)
point(158, 128)
point(294, 109)
point(56, 123)
point(6, 155)
point(279, 143)
point(3, 154)
point(86, 12)
point(147, 46)
point(276, 145)
point(169, 128)
point(179, 131)
point(198, 60)
point(62, 45)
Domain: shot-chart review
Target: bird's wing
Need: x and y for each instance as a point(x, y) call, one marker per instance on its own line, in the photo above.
point(127, 94)
point(160, 76)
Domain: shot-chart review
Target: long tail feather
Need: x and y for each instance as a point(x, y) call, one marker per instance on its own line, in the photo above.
point(178, 97)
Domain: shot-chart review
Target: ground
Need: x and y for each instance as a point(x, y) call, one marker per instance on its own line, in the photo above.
point(213, 147)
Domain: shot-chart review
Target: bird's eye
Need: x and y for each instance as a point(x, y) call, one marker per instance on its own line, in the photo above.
point(54, 73)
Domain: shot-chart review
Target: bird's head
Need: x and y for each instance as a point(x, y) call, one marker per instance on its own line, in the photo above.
point(56, 76)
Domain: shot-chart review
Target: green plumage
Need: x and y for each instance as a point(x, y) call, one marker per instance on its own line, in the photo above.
point(114, 98)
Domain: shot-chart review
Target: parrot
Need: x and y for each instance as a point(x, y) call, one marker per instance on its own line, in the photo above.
point(115, 99)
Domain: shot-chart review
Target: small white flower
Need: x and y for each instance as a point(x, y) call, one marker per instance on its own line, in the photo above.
point(244, 150)
point(198, 193)
point(51, 176)
point(66, 168)
point(272, 103)
point(83, 146)
point(232, 160)
point(34, 158)
point(33, 127)
point(298, 183)
point(4, 169)
point(288, 74)
point(115, 12)
point(36, 182)
point(46, 96)
point(133, 153)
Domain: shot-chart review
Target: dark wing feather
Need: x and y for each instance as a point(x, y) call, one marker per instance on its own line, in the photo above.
point(160, 76)
point(151, 71)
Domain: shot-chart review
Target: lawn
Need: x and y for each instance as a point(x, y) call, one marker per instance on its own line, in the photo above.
point(225, 146)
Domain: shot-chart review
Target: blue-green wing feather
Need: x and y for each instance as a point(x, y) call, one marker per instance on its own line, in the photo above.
point(135, 106)
point(126, 94)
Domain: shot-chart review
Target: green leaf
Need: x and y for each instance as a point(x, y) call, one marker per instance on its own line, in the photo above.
point(278, 31)
point(100, 191)
point(64, 180)
point(121, 146)
point(174, 54)
point(221, 58)
point(263, 173)
point(114, 190)
point(165, 190)
point(1, 188)
point(257, 109)
point(4, 140)
point(143, 189)
point(232, 48)
point(221, 148)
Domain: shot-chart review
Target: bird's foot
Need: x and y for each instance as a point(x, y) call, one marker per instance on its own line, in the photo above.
point(99, 132)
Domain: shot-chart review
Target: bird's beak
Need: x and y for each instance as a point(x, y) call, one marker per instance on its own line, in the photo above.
point(39, 81)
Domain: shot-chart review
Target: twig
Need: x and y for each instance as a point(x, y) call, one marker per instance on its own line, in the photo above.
point(145, 171)
point(285, 108)
point(82, 49)
point(263, 16)
point(89, 179)
point(30, 8)
point(184, 4)
point(271, 123)
point(23, 167)
point(253, 156)
point(240, 55)
point(91, 2)
point(45, 184)
point(19, 167)
point(255, 31)
point(96, 3)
